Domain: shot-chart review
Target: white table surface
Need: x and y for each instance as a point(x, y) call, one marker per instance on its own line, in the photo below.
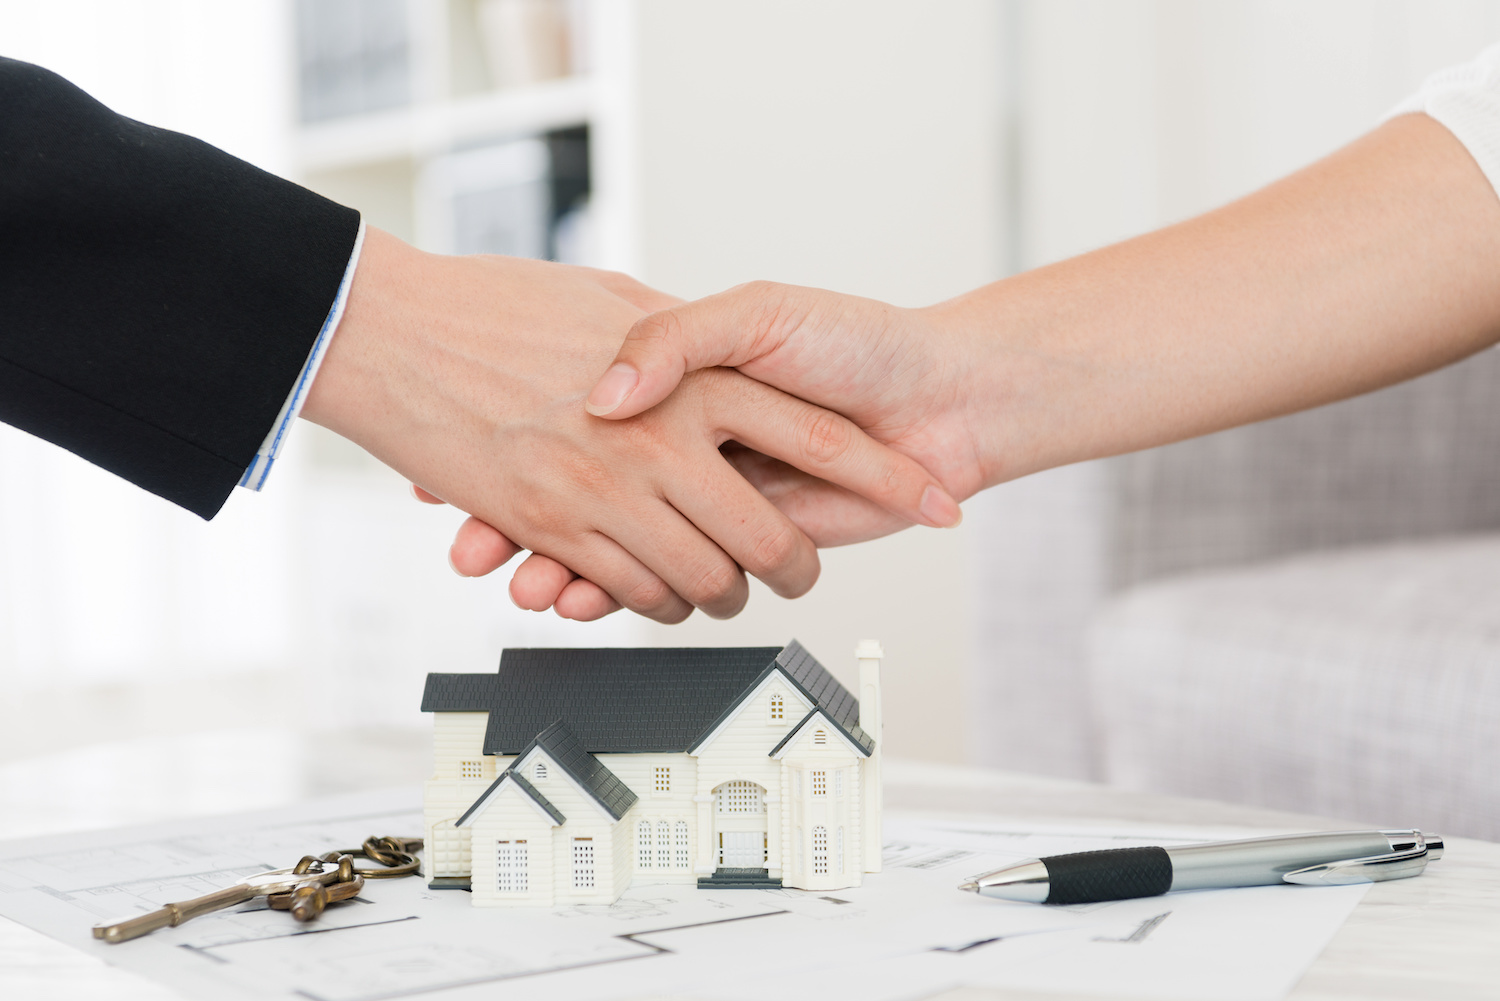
point(1433, 938)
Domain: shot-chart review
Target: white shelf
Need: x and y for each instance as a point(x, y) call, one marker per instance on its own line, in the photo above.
point(424, 130)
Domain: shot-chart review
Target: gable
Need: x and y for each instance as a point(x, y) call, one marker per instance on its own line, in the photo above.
point(517, 785)
point(856, 740)
point(753, 709)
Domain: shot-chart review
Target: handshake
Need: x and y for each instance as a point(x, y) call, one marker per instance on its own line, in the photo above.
point(650, 453)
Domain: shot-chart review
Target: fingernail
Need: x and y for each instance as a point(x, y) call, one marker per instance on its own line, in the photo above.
point(454, 567)
point(939, 509)
point(611, 391)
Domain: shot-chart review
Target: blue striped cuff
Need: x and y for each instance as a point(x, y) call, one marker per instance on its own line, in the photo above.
point(260, 468)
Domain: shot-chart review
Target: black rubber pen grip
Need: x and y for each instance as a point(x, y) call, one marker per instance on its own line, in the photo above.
point(1112, 874)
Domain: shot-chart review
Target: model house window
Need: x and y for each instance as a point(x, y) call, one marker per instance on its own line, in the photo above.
point(778, 707)
point(470, 769)
point(643, 853)
point(820, 850)
point(663, 845)
point(819, 783)
point(510, 866)
point(664, 780)
point(820, 737)
point(583, 863)
point(539, 772)
point(838, 848)
point(680, 842)
point(838, 782)
point(740, 796)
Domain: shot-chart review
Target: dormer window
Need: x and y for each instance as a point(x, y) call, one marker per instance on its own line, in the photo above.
point(820, 737)
point(471, 769)
point(778, 707)
point(539, 771)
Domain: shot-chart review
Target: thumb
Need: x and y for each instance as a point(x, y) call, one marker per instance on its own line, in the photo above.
point(728, 329)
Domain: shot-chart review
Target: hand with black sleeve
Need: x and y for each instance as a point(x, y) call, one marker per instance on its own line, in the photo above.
point(166, 311)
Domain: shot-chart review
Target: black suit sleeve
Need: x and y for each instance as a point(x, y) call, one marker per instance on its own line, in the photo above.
point(158, 297)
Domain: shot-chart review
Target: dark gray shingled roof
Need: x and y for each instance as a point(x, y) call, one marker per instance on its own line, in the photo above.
point(564, 747)
point(619, 700)
point(861, 739)
point(526, 787)
point(458, 693)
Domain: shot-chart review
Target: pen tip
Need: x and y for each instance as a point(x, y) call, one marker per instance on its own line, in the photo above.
point(969, 887)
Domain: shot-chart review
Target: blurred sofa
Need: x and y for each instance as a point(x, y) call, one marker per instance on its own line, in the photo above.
point(1301, 614)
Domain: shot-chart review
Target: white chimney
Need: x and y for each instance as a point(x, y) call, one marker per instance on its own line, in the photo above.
point(869, 654)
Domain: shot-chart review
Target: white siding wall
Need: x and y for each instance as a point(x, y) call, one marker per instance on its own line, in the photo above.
point(512, 817)
point(456, 737)
point(837, 808)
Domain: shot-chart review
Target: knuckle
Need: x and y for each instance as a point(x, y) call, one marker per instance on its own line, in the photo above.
point(649, 595)
point(826, 436)
point(657, 329)
point(774, 550)
point(714, 583)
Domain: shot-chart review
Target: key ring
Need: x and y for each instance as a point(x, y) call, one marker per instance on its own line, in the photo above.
point(397, 855)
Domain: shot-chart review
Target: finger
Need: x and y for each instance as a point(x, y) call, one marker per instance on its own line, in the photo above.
point(724, 506)
point(829, 515)
point(686, 558)
point(424, 496)
point(585, 601)
point(832, 448)
point(626, 579)
point(538, 582)
point(479, 549)
point(729, 329)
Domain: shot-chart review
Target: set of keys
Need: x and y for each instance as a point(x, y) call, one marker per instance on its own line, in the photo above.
point(305, 889)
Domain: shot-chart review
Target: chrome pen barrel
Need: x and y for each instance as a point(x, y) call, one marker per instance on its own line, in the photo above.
point(1264, 861)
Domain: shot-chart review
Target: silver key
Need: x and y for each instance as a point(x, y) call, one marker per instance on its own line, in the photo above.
point(310, 871)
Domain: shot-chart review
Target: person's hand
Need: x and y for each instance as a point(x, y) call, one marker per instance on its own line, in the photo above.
point(897, 373)
point(468, 375)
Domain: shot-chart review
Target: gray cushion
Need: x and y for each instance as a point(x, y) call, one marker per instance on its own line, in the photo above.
point(1361, 683)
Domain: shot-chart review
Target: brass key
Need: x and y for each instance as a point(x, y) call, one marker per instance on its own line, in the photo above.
point(309, 872)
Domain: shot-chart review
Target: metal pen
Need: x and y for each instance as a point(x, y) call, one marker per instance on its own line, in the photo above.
point(1328, 859)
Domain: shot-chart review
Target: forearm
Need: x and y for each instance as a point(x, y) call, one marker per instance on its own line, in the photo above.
point(1372, 266)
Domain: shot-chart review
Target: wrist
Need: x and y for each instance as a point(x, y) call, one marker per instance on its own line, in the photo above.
point(353, 393)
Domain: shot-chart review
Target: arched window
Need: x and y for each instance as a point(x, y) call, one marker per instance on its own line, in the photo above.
point(644, 856)
point(820, 850)
point(778, 707)
point(539, 771)
point(664, 845)
point(681, 844)
point(739, 796)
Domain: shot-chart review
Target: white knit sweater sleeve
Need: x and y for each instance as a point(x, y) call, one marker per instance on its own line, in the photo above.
point(1466, 100)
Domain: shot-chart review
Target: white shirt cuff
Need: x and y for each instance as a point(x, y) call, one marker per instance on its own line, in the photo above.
point(260, 468)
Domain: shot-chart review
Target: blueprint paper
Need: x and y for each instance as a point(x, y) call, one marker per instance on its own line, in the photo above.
point(906, 933)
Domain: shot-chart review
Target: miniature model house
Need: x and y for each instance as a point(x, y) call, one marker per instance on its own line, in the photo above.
point(568, 775)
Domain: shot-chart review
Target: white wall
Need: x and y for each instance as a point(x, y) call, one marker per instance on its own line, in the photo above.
point(852, 145)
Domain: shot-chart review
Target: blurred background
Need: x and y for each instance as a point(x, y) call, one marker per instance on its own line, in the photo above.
point(152, 665)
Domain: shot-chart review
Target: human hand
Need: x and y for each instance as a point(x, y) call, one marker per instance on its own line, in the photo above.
point(468, 376)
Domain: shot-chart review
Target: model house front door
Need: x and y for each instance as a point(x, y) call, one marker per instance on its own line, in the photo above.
point(742, 849)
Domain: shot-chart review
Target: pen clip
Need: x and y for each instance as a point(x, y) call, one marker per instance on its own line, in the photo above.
point(1370, 869)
